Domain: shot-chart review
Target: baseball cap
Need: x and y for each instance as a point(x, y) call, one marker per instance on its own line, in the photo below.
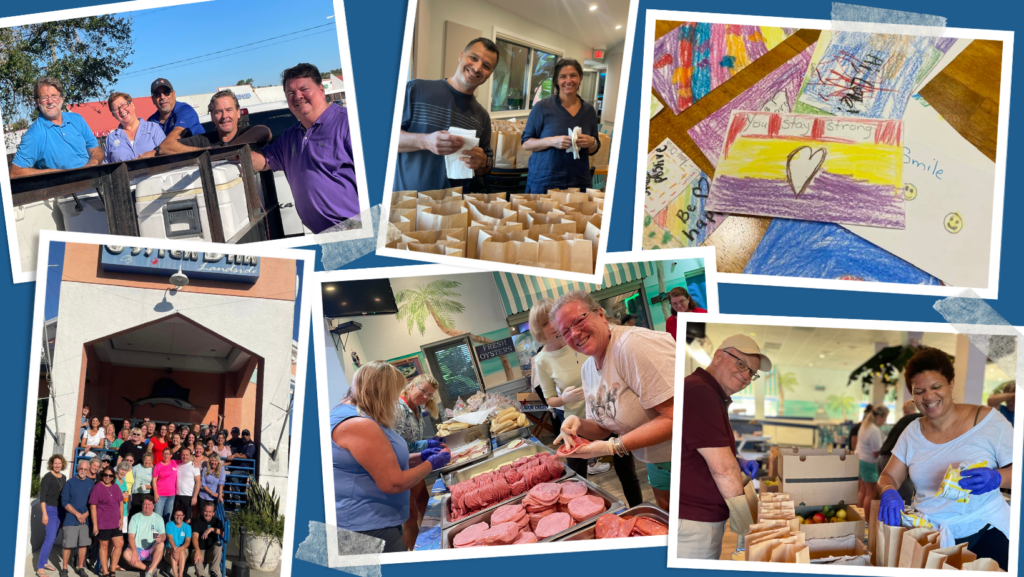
point(159, 83)
point(245, 432)
point(747, 346)
point(234, 429)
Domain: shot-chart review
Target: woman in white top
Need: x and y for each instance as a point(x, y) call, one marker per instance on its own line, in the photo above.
point(560, 371)
point(94, 437)
point(952, 433)
point(869, 443)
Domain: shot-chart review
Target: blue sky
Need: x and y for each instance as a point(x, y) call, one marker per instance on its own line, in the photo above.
point(56, 269)
point(167, 35)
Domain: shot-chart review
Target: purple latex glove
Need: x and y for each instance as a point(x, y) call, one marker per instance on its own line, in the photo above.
point(434, 444)
point(890, 508)
point(429, 452)
point(749, 468)
point(439, 460)
point(981, 480)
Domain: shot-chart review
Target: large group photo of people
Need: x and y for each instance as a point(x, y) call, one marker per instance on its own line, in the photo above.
point(138, 493)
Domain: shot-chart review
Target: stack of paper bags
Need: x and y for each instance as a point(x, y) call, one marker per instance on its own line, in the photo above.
point(846, 550)
point(888, 545)
point(950, 558)
point(773, 542)
point(601, 157)
point(983, 564)
point(506, 142)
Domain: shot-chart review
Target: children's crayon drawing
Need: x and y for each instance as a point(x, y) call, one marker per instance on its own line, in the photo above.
point(870, 75)
point(839, 170)
point(676, 195)
point(776, 92)
point(695, 58)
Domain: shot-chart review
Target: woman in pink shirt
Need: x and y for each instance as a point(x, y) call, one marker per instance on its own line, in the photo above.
point(165, 477)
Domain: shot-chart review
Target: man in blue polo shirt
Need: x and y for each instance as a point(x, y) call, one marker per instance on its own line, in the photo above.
point(178, 119)
point(57, 140)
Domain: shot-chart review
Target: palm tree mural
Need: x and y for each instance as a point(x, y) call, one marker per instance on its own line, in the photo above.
point(436, 301)
point(786, 382)
point(842, 403)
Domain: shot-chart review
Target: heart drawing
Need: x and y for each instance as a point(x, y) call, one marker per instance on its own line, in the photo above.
point(802, 165)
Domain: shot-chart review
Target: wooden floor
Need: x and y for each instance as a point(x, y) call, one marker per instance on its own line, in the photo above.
point(965, 93)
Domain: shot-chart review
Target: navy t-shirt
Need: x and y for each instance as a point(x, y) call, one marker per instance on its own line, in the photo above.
point(430, 106)
point(554, 167)
point(182, 115)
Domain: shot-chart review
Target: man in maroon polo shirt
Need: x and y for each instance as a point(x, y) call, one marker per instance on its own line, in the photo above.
point(711, 492)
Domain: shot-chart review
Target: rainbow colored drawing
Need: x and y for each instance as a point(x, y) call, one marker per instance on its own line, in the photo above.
point(838, 170)
point(697, 57)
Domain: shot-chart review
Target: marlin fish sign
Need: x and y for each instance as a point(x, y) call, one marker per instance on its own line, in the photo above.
point(165, 392)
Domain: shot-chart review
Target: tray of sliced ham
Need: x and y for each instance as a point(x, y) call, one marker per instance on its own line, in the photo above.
point(644, 520)
point(547, 512)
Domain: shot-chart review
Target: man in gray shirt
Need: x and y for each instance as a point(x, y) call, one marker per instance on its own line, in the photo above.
point(431, 107)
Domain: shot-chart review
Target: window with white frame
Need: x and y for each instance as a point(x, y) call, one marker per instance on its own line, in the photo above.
point(523, 76)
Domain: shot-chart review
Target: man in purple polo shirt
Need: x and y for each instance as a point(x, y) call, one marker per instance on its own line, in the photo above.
point(315, 154)
point(712, 487)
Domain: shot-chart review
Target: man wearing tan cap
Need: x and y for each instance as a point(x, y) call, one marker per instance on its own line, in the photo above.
point(711, 491)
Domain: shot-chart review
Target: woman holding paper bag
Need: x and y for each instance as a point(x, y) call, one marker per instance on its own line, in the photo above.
point(949, 434)
point(561, 155)
point(373, 469)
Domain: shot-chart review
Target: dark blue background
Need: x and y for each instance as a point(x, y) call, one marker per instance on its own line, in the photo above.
point(375, 34)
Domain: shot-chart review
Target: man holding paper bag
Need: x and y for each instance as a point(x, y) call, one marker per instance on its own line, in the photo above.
point(446, 134)
point(712, 488)
point(561, 131)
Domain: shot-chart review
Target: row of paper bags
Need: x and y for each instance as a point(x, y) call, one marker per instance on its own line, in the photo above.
point(919, 549)
point(558, 230)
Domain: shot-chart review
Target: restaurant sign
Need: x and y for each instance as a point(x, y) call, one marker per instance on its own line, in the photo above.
point(195, 265)
point(494, 350)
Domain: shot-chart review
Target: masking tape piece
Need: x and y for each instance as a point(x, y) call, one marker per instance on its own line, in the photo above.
point(986, 329)
point(853, 18)
point(357, 554)
point(354, 238)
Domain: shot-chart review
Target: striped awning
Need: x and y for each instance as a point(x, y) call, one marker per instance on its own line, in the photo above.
point(519, 292)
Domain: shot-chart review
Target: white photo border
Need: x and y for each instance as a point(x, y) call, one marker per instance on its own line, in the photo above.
point(817, 322)
point(20, 276)
point(613, 161)
point(989, 292)
point(298, 403)
point(324, 408)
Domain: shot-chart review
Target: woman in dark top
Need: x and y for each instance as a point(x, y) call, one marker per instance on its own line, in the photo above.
point(547, 134)
point(50, 487)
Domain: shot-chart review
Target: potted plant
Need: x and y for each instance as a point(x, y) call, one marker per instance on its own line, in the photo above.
point(264, 528)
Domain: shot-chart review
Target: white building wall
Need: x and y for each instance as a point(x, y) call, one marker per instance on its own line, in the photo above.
point(263, 326)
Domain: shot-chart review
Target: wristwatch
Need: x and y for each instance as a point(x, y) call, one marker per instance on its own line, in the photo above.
point(619, 448)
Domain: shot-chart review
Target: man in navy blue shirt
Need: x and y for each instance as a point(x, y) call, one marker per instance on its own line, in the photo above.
point(176, 118)
point(75, 498)
point(431, 108)
point(58, 139)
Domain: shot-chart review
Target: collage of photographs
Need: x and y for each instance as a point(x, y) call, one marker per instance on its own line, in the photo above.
point(477, 344)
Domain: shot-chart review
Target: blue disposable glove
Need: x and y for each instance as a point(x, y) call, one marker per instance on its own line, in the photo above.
point(434, 444)
point(890, 508)
point(439, 460)
point(748, 467)
point(429, 452)
point(981, 480)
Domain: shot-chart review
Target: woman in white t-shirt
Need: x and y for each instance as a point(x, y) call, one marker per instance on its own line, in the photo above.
point(952, 433)
point(94, 437)
point(629, 384)
point(869, 443)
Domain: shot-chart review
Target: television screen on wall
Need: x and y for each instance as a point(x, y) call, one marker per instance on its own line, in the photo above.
point(358, 298)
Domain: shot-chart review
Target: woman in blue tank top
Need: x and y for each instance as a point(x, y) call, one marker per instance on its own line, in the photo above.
point(373, 469)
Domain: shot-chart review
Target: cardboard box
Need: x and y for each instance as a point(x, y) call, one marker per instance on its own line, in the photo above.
point(816, 477)
point(527, 397)
point(858, 549)
point(854, 524)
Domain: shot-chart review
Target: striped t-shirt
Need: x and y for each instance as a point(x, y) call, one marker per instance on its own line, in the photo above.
point(430, 106)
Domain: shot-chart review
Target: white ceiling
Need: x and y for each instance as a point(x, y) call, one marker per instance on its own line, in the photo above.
point(172, 343)
point(574, 19)
point(826, 348)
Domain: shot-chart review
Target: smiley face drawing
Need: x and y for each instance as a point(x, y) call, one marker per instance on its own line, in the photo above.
point(909, 191)
point(953, 222)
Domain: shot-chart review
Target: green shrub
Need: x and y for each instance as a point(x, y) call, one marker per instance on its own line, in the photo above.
point(261, 513)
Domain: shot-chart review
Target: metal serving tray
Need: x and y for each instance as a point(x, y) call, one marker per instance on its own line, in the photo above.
point(611, 504)
point(464, 437)
point(509, 436)
point(493, 463)
point(642, 510)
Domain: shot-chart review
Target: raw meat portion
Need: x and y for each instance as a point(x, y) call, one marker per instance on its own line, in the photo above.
point(502, 534)
point(525, 537)
point(647, 526)
point(608, 527)
point(612, 526)
point(468, 537)
point(507, 513)
point(564, 451)
point(490, 488)
point(546, 493)
point(571, 490)
point(553, 524)
point(586, 507)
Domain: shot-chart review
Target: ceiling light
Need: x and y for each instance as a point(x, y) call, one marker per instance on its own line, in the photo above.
point(344, 303)
point(594, 7)
point(618, 27)
point(753, 334)
point(821, 356)
point(329, 288)
point(377, 299)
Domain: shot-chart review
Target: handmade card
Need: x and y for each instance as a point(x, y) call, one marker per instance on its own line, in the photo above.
point(669, 174)
point(697, 57)
point(839, 170)
point(776, 92)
